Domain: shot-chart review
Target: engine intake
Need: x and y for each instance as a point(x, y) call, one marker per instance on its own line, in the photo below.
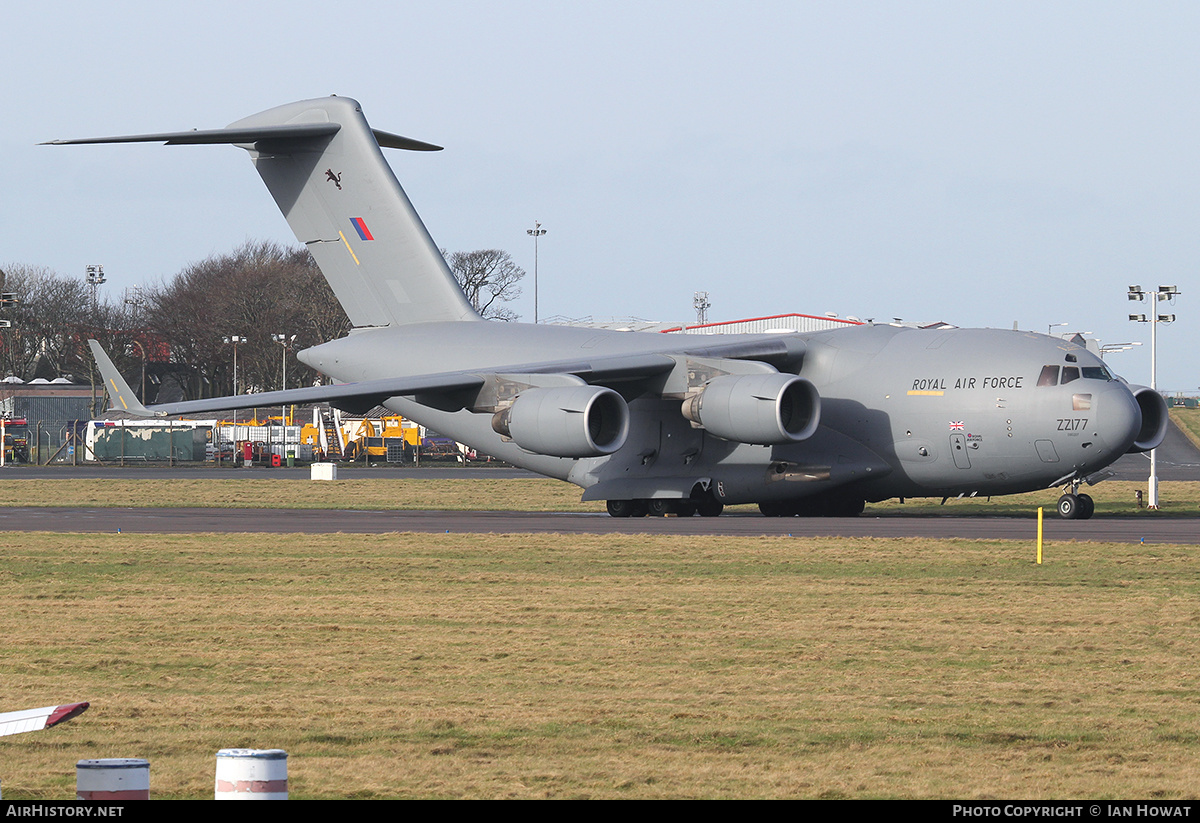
point(570, 421)
point(1154, 419)
point(765, 409)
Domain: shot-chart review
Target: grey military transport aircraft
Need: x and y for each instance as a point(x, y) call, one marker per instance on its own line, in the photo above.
point(801, 424)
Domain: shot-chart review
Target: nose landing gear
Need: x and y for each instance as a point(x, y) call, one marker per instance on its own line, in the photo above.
point(1075, 506)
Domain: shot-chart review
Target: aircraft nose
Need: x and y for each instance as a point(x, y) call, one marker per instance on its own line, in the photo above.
point(1118, 418)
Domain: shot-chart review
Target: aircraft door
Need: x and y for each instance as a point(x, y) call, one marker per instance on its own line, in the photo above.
point(1046, 451)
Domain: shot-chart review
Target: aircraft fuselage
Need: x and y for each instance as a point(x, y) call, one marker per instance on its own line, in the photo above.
point(904, 412)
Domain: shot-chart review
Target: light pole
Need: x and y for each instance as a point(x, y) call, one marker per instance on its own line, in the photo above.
point(142, 349)
point(134, 297)
point(95, 277)
point(536, 232)
point(234, 339)
point(1163, 293)
point(284, 341)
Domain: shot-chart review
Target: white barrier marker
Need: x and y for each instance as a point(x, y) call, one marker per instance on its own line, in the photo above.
point(116, 778)
point(252, 774)
point(323, 471)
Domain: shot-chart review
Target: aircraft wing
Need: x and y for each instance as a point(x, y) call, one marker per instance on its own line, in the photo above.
point(367, 394)
point(603, 370)
point(34, 720)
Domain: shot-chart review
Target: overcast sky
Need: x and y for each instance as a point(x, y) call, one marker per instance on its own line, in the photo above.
point(978, 163)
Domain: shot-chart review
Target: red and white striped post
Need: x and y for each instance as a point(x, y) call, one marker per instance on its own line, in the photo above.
point(252, 774)
point(115, 778)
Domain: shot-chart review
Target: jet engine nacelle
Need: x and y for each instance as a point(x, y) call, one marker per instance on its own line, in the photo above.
point(765, 409)
point(567, 421)
point(1154, 419)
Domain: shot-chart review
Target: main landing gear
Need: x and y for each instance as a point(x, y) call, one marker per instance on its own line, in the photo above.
point(705, 506)
point(817, 505)
point(1076, 506)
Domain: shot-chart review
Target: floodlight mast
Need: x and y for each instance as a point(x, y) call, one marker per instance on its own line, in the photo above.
point(95, 278)
point(536, 232)
point(1162, 293)
point(234, 339)
point(285, 341)
point(701, 304)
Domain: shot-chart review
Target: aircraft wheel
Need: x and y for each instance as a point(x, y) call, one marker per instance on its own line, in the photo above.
point(710, 507)
point(845, 507)
point(640, 508)
point(659, 506)
point(1087, 506)
point(685, 508)
point(1069, 507)
point(772, 508)
point(620, 508)
point(810, 506)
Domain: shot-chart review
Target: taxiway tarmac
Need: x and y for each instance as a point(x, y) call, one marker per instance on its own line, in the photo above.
point(1178, 460)
point(1147, 528)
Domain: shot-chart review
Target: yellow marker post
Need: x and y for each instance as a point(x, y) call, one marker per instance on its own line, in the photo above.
point(1039, 556)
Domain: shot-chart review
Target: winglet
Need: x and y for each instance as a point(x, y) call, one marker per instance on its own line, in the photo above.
point(34, 720)
point(62, 714)
point(119, 393)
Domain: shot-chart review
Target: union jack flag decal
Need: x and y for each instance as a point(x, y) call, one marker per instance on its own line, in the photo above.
point(956, 425)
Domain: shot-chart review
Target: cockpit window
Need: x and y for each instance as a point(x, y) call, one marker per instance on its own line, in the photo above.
point(1049, 376)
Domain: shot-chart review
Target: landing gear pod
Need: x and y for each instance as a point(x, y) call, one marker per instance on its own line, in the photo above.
point(764, 409)
point(572, 421)
point(1154, 419)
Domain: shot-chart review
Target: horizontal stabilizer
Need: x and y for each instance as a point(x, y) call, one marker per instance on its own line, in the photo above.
point(290, 131)
point(214, 136)
point(395, 141)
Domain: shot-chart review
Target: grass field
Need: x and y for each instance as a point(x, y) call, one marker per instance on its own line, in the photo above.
point(443, 492)
point(1188, 421)
point(609, 666)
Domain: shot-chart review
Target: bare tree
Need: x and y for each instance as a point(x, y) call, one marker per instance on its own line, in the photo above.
point(45, 337)
point(179, 332)
point(489, 278)
point(257, 290)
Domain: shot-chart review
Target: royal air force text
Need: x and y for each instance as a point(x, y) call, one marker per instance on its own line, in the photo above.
point(949, 384)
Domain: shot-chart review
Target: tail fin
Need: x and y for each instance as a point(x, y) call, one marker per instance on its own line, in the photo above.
point(323, 165)
point(119, 393)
